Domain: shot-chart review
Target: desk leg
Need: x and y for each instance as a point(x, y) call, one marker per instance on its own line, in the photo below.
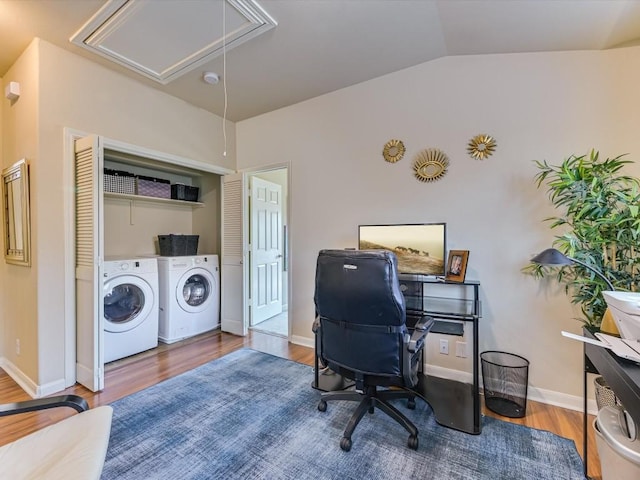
point(585, 435)
point(316, 365)
point(476, 378)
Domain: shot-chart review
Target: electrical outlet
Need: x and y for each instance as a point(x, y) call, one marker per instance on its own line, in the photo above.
point(444, 346)
point(17, 346)
point(461, 349)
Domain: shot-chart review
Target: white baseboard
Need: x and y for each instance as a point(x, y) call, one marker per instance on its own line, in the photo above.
point(304, 341)
point(448, 373)
point(571, 402)
point(29, 386)
point(234, 327)
point(549, 397)
point(19, 377)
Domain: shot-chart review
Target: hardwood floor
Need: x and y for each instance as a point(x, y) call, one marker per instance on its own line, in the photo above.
point(135, 373)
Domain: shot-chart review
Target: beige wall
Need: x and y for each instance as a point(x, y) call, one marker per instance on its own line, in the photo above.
point(18, 304)
point(133, 229)
point(1, 241)
point(538, 106)
point(61, 90)
point(209, 215)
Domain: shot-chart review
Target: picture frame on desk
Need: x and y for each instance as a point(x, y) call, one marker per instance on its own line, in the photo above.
point(457, 265)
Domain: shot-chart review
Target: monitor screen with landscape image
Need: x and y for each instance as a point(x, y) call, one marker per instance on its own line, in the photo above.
point(420, 248)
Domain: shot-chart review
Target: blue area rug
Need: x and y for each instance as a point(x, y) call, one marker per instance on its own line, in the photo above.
point(253, 415)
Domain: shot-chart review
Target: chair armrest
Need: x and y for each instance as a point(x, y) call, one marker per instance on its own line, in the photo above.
point(420, 331)
point(72, 448)
point(413, 345)
point(73, 401)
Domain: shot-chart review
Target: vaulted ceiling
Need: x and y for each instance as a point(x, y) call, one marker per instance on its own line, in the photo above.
point(317, 46)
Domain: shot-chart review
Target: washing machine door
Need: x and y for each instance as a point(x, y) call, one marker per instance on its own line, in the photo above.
point(127, 302)
point(195, 290)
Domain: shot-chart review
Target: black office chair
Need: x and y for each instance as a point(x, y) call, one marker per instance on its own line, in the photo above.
point(362, 334)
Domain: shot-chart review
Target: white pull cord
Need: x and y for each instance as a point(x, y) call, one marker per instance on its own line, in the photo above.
point(224, 75)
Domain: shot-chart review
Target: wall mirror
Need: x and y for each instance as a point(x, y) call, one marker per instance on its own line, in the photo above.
point(15, 195)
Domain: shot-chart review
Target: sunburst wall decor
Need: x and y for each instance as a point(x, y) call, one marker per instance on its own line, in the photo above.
point(393, 151)
point(430, 165)
point(481, 146)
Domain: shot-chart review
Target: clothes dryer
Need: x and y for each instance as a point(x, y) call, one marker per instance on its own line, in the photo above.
point(189, 296)
point(131, 307)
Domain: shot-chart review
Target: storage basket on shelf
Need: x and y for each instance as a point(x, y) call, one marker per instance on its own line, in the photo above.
point(604, 395)
point(172, 245)
point(180, 191)
point(119, 181)
point(153, 187)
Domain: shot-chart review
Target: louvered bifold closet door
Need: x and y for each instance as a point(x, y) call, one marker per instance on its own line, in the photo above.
point(89, 256)
point(232, 279)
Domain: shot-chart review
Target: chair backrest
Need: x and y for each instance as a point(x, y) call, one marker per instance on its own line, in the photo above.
point(361, 311)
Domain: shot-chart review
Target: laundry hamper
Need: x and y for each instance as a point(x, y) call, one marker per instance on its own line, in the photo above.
point(178, 245)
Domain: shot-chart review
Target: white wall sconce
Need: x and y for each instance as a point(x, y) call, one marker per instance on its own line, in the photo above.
point(12, 91)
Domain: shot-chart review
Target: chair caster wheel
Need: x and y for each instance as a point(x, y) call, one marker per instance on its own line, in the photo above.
point(411, 404)
point(412, 443)
point(345, 444)
point(322, 406)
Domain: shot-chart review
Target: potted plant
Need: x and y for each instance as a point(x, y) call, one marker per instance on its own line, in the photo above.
point(599, 225)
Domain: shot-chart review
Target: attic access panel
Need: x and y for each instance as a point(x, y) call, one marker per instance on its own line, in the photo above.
point(163, 40)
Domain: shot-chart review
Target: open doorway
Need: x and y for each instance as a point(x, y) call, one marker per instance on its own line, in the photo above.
point(268, 271)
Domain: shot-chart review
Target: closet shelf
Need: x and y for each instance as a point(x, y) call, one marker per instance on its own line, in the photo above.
point(142, 198)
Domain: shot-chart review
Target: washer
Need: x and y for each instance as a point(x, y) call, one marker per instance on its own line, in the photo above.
point(189, 296)
point(131, 307)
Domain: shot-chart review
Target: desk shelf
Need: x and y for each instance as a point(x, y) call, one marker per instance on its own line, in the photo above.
point(443, 306)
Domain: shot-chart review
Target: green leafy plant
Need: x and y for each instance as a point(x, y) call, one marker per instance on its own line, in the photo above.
point(599, 226)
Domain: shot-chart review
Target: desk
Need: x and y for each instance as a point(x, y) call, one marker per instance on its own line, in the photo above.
point(455, 404)
point(621, 375)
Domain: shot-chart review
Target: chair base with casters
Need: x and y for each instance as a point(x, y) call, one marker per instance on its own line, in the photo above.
point(370, 399)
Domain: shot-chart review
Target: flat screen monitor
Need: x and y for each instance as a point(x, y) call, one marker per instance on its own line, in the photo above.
point(420, 248)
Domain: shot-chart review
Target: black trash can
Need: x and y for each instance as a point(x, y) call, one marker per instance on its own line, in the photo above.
point(505, 377)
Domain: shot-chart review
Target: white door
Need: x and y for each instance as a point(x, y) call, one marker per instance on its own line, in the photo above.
point(266, 250)
point(234, 246)
point(89, 256)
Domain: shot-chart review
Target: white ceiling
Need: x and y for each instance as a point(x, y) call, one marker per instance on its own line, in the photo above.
point(320, 46)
